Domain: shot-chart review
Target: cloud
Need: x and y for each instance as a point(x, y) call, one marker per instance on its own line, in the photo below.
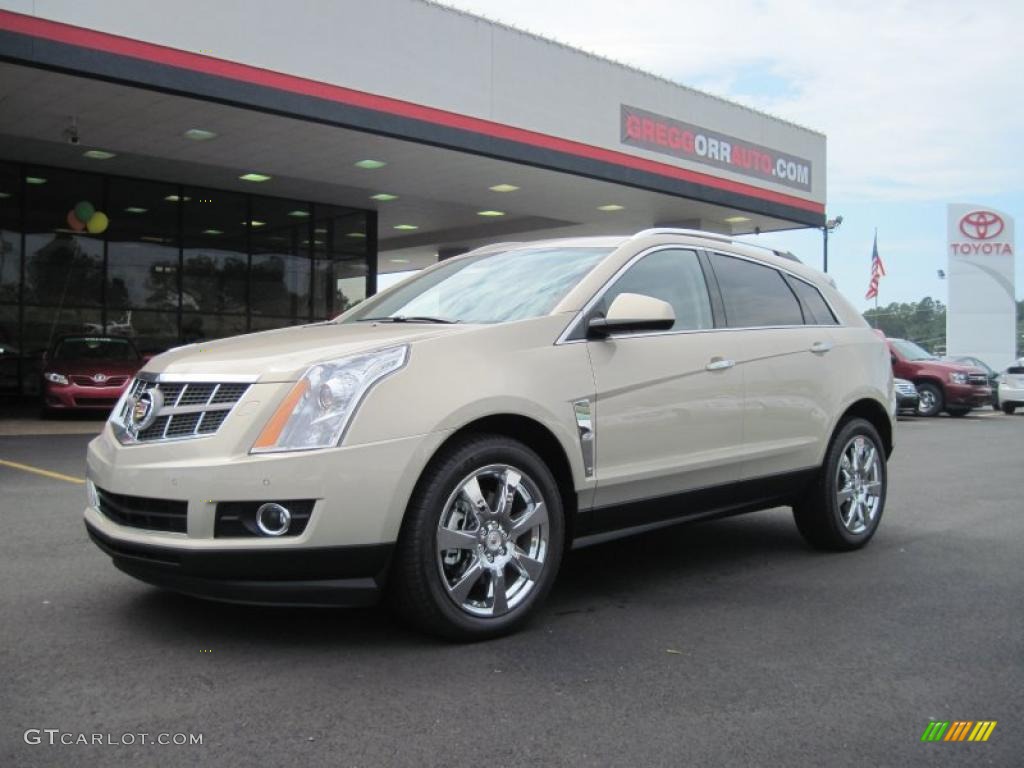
point(920, 101)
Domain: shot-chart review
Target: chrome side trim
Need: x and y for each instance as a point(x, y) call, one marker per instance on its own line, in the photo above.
point(584, 414)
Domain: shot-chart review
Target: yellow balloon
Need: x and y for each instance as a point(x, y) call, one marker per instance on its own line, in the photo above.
point(97, 223)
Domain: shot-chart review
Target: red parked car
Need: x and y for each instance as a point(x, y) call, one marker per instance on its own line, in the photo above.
point(955, 388)
point(88, 372)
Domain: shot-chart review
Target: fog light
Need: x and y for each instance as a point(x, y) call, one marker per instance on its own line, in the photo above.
point(273, 519)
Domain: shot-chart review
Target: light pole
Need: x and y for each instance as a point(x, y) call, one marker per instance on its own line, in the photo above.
point(830, 225)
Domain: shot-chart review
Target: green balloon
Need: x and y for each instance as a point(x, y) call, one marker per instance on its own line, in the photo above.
point(84, 210)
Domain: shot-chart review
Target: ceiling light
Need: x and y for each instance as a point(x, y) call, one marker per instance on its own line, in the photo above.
point(177, 199)
point(98, 154)
point(253, 223)
point(399, 261)
point(4, 195)
point(135, 209)
point(213, 232)
point(254, 177)
point(199, 134)
point(298, 214)
point(155, 239)
point(383, 197)
point(35, 180)
point(490, 213)
point(610, 207)
point(735, 219)
point(320, 230)
point(406, 226)
point(370, 165)
point(356, 234)
point(504, 188)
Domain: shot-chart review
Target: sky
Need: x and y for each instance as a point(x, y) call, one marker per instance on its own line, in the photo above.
point(922, 104)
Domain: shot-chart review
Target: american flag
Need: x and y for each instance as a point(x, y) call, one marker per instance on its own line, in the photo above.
point(877, 271)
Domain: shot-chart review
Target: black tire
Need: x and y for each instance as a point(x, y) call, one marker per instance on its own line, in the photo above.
point(958, 412)
point(932, 401)
point(818, 512)
point(1008, 409)
point(417, 588)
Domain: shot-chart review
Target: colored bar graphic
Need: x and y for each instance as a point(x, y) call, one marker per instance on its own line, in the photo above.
point(959, 730)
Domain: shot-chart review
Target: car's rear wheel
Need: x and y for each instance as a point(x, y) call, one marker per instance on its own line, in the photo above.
point(958, 412)
point(842, 508)
point(931, 401)
point(1008, 409)
point(482, 540)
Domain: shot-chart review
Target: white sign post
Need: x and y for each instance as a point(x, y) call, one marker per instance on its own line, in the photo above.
point(981, 319)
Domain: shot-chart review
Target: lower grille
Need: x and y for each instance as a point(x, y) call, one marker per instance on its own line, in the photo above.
point(96, 402)
point(140, 512)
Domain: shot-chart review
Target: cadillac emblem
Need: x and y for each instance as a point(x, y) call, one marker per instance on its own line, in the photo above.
point(144, 409)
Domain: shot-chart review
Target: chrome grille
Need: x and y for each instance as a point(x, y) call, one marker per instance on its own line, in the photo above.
point(189, 409)
point(977, 378)
point(905, 388)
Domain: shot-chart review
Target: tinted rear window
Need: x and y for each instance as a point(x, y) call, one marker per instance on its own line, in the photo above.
point(86, 348)
point(755, 295)
point(816, 309)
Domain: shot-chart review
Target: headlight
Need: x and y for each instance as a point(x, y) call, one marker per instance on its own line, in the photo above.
point(56, 378)
point(958, 378)
point(321, 404)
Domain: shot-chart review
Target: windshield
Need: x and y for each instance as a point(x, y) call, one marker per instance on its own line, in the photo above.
point(86, 348)
point(490, 288)
point(910, 351)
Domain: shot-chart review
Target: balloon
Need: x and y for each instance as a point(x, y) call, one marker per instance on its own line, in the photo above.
point(84, 210)
point(97, 223)
point(74, 222)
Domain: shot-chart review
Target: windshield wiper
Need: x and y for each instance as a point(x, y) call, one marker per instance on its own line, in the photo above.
point(407, 319)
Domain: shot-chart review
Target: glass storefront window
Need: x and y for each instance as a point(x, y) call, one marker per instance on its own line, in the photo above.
point(142, 248)
point(280, 260)
point(164, 264)
point(215, 255)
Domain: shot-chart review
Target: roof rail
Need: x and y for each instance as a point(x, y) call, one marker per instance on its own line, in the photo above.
point(714, 236)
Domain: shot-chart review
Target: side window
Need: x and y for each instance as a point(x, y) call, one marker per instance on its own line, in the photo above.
point(671, 275)
point(815, 307)
point(754, 295)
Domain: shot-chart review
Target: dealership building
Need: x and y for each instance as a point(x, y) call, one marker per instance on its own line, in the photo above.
point(190, 170)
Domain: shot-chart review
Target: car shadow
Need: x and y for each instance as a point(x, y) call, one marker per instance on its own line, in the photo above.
point(606, 576)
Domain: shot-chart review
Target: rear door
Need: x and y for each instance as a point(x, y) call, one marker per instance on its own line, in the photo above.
point(668, 403)
point(785, 360)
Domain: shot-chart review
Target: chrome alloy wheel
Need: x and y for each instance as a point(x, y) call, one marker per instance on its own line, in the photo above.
point(492, 540)
point(926, 401)
point(859, 484)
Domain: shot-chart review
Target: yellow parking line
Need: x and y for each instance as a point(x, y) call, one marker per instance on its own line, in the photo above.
point(43, 472)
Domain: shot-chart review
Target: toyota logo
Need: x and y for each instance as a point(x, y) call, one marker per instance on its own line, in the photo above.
point(99, 378)
point(981, 225)
point(145, 408)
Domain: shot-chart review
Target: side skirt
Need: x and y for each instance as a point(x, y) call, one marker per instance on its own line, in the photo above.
point(601, 524)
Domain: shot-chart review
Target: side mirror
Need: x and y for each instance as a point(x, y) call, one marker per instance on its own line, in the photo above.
point(633, 312)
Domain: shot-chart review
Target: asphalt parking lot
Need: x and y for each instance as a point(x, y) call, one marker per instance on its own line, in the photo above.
point(723, 643)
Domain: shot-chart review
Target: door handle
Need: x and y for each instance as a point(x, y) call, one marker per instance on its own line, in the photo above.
point(720, 364)
point(821, 347)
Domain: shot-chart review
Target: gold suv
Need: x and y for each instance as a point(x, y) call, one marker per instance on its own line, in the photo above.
point(447, 439)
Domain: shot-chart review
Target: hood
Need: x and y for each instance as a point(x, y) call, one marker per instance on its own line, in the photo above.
point(947, 365)
point(284, 354)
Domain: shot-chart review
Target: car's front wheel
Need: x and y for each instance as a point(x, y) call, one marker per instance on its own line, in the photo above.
point(930, 402)
point(482, 540)
point(842, 508)
point(1008, 409)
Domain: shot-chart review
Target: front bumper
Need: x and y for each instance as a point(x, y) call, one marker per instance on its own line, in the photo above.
point(1011, 395)
point(968, 396)
point(323, 576)
point(73, 397)
point(907, 402)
